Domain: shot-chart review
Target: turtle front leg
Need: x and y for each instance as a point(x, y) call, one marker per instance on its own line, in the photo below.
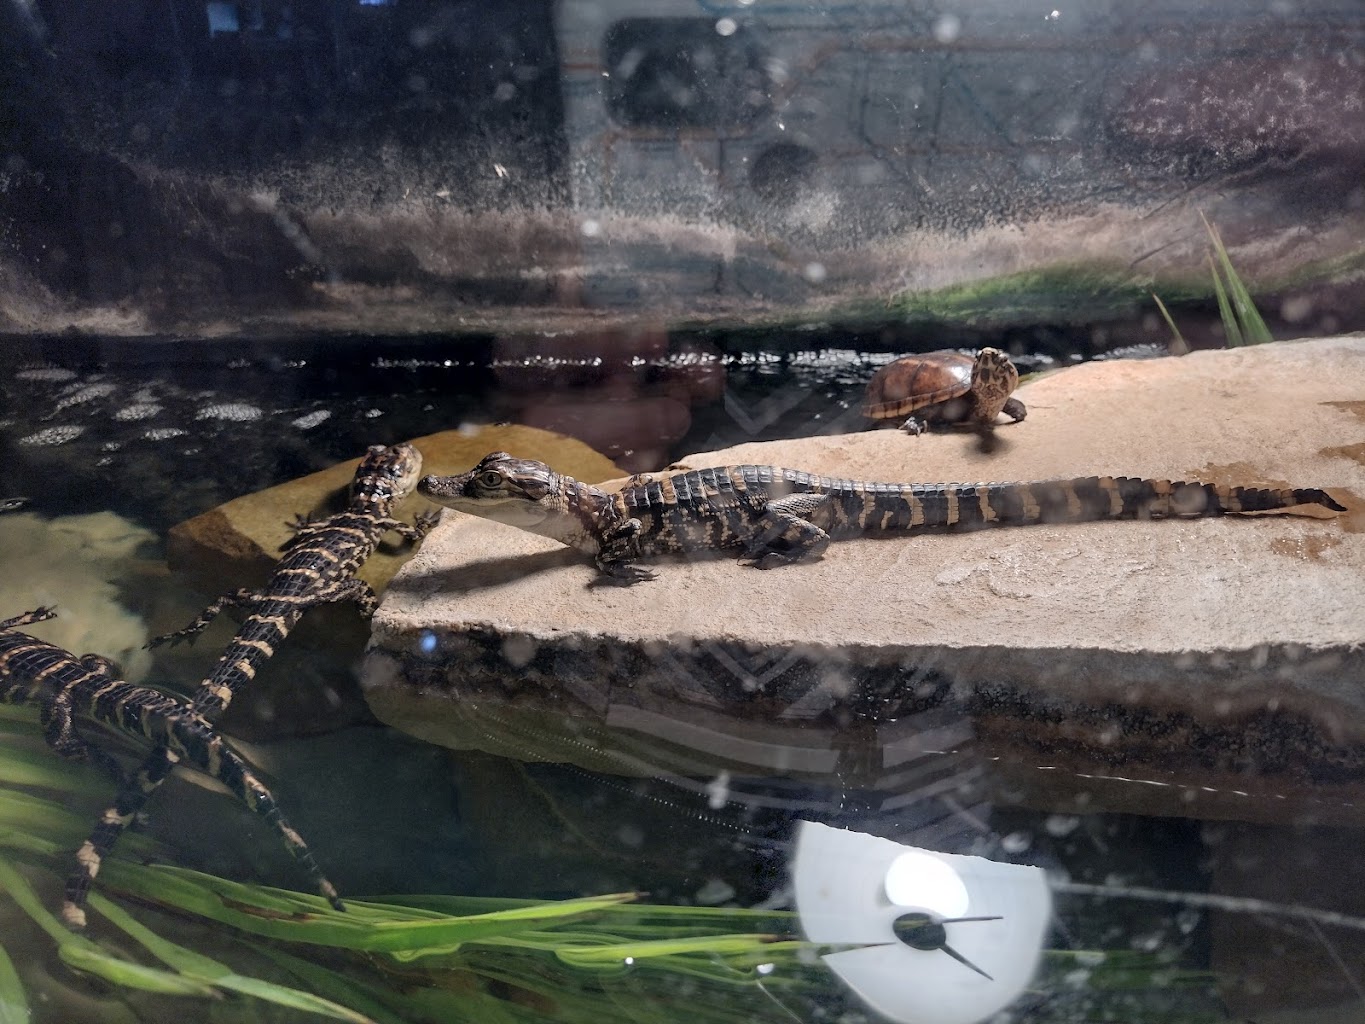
point(1014, 409)
point(914, 426)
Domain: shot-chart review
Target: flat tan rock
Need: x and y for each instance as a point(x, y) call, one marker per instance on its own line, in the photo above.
point(1242, 636)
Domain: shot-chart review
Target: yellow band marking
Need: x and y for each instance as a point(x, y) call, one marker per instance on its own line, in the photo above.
point(916, 510)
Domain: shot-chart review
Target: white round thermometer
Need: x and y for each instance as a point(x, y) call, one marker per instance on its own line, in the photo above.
point(946, 939)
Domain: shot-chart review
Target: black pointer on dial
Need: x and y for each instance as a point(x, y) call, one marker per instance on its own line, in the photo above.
point(921, 931)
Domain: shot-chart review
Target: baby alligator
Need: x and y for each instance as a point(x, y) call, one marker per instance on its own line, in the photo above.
point(318, 567)
point(777, 516)
point(33, 671)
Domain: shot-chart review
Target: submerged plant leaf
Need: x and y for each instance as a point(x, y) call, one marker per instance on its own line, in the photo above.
point(367, 998)
point(280, 914)
point(35, 766)
point(196, 965)
point(13, 1003)
point(81, 954)
point(37, 825)
point(587, 956)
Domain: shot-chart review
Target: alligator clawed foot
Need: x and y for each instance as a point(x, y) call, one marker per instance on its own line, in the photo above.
point(622, 574)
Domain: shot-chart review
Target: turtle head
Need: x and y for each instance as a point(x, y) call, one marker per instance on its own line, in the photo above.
point(994, 377)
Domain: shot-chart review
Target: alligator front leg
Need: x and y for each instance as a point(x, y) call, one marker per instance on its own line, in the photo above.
point(350, 589)
point(616, 554)
point(29, 618)
point(783, 532)
point(420, 527)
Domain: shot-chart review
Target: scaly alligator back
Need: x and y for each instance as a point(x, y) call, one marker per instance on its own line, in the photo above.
point(33, 671)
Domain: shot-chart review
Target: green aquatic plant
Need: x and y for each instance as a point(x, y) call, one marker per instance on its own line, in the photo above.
point(1242, 321)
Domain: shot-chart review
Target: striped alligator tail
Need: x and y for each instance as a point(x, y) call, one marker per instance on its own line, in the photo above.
point(800, 525)
point(1073, 501)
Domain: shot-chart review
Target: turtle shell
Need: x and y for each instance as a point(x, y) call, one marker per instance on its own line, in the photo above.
point(912, 383)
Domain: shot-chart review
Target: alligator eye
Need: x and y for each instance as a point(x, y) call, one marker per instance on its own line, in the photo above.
point(491, 479)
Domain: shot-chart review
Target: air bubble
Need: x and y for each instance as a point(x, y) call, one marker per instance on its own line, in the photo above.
point(947, 28)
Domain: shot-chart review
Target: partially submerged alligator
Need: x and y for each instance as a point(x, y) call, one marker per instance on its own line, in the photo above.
point(33, 671)
point(318, 566)
point(776, 516)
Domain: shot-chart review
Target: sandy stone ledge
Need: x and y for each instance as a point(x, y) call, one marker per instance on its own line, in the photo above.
point(1222, 658)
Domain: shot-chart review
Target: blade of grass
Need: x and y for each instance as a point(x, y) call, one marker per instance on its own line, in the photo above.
point(620, 952)
point(1251, 326)
point(1177, 345)
point(24, 817)
point(13, 1003)
point(200, 967)
point(1231, 331)
point(81, 954)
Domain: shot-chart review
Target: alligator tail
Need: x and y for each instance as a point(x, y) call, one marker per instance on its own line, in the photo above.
point(1085, 499)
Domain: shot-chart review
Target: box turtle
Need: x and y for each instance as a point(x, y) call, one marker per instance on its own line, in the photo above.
point(945, 387)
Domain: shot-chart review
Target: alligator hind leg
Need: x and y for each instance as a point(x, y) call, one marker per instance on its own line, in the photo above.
point(237, 597)
point(784, 532)
point(228, 768)
point(116, 819)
